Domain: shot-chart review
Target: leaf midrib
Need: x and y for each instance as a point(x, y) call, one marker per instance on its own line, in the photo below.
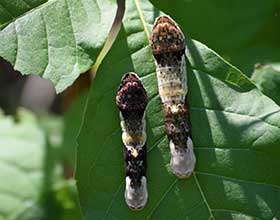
point(203, 196)
point(142, 19)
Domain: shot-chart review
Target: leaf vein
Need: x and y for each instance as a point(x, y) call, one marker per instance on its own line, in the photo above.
point(159, 141)
point(111, 202)
point(240, 180)
point(74, 37)
point(235, 113)
point(203, 196)
point(162, 198)
point(142, 19)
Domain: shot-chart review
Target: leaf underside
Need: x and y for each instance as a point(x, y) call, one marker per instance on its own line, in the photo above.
point(235, 128)
point(57, 40)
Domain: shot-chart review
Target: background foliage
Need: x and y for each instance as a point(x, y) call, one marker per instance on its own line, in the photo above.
point(57, 40)
point(235, 119)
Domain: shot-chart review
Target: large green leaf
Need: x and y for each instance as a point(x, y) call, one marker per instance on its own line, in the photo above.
point(22, 153)
point(267, 78)
point(57, 40)
point(236, 133)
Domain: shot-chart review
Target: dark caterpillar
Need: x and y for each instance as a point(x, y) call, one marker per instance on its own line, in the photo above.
point(168, 47)
point(131, 100)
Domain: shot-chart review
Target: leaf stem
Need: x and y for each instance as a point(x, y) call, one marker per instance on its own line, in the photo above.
point(111, 37)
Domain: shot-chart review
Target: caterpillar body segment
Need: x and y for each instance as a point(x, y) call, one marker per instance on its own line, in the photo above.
point(177, 128)
point(172, 84)
point(136, 194)
point(168, 48)
point(131, 100)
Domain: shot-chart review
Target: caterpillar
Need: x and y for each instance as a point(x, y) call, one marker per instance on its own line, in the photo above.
point(168, 48)
point(131, 100)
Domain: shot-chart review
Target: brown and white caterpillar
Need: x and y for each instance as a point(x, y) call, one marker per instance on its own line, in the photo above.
point(131, 100)
point(168, 48)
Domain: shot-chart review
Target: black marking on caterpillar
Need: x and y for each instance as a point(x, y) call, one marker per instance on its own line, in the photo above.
point(131, 100)
point(168, 47)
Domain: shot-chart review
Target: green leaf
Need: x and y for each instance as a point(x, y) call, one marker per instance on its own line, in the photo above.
point(11, 9)
point(204, 59)
point(32, 186)
point(53, 168)
point(30, 165)
point(67, 197)
point(221, 24)
point(57, 40)
point(72, 124)
point(60, 199)
point(267, 78)
point(236, 133)
point(260, 53)
point(22, 166)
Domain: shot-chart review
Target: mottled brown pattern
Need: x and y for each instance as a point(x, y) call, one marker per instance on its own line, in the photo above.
point(176, 125)
point(166, 36)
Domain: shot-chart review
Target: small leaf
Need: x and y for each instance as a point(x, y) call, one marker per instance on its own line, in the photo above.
point(236, 133)
point(57, 40)
point(267, 78)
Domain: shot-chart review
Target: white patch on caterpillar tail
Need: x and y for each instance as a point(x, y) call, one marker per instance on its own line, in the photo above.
point(182, 161)
point(136, 198)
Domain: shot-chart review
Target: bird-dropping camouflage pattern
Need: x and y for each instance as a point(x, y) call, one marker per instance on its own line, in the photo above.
point(131, 100)
point(168, 48)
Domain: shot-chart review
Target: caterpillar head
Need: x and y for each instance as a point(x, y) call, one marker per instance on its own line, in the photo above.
point(166, 36)
point(131, 94)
